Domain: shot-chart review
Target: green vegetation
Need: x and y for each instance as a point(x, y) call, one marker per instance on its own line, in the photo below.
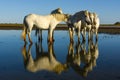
point(106, 24)
point(59, 25)
point(10, 25)
point(106, 28)
point(19, 26)
point(117, 24)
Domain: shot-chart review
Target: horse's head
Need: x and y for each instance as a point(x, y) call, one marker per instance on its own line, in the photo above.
point(60, 68)
point(95, 17)
point(69, 21)
point(91, 15)
point(61, 17)
point(86, 17)
point(66, 17)
point(60, 11)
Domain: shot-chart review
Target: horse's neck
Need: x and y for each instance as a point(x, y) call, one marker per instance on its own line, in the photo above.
point(59, 17)
point(79, 16)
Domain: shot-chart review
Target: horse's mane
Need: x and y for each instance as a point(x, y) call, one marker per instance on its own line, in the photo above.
point(58, 10)
point(95, 15)
point(59, 17)
point(81, 14)
point(59, 68)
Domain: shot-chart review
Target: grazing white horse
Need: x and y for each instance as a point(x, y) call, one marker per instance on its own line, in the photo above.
point(39, 31)
point(95, 24)
point(42, 22)
point(45, 60)
point(79, 21)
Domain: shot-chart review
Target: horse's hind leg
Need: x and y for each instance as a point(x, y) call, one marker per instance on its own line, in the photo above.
point(23, 36)
point(29, 29)
point(29, 38)
point(71, 31)
point(40, 35)
point(50, 36)
point(96, 32)
point(53, 36)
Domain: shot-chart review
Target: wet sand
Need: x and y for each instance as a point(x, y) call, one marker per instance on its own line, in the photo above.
point(102, 29)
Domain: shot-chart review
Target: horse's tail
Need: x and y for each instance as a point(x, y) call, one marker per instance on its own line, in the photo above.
point(36, 31)
point(24, 32)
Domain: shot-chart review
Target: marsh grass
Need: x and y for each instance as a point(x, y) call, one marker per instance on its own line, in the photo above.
point(104, 28)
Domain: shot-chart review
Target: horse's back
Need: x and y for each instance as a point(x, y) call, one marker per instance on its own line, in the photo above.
point(36, 16)
point(79, 14)
point(41, 21)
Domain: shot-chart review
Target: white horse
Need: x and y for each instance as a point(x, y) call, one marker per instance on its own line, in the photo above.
point(39, 31)
point(95, 24)
point(45, 60)
point(42, 22)
point(79, 21)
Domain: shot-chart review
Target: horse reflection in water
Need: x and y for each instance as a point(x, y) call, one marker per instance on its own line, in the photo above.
point(82, 60)
point(43, 61)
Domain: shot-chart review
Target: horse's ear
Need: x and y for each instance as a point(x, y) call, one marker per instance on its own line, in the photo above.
point(86, 12)
point(59, 9)
point(90, 13)
point(68, 15)
point(95, 15)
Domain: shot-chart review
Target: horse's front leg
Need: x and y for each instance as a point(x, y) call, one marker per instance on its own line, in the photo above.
point(89, 35)
point(84, 34)
point(53, 36)
point(40, 35)
point(79, 35)
point(96, 32)
point(29, 38)
point(71, 31)
point(50, 35)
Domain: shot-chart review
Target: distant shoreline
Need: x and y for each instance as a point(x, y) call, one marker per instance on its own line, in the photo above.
point(112, 29)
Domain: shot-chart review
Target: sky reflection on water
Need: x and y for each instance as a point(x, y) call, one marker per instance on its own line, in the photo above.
point(61, 60)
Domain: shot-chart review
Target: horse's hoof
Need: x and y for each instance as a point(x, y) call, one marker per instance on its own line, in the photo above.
point(31, 42)
point(89, 40)
point(96, 39)
point(84, 40)
point(50, 42)
point(25, 42)
point(53, 40)
point(78, 41)
point(72, 41)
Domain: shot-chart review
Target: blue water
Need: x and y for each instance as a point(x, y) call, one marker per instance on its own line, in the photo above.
point(84, 61)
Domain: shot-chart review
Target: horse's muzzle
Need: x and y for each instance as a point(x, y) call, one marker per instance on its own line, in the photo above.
point(70, 25)
point(88, 22)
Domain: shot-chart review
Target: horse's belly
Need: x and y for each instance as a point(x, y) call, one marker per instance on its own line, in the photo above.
point(42, 26)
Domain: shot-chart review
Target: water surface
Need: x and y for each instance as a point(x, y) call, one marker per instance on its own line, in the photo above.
point(61, 60)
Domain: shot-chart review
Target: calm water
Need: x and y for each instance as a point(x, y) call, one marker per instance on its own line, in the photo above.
point(61, 60)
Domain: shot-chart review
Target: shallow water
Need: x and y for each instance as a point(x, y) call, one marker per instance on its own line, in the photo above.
point(61, 60)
